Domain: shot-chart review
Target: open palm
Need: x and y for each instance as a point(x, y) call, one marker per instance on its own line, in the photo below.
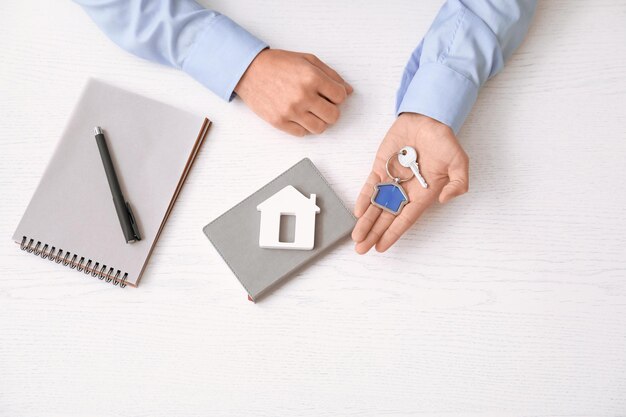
point(442, 162)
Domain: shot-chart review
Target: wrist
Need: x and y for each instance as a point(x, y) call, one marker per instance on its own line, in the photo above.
point(243, 86)
point(421, 122)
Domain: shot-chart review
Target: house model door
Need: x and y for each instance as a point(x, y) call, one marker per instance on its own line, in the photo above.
point(288, 202)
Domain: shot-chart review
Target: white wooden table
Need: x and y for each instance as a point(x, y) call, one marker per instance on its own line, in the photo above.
point(509, 301)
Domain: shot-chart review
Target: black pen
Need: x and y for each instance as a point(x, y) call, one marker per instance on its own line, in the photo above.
point(124, 213)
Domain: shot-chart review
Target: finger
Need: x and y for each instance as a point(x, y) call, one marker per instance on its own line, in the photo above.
point(403, 221)
point(293, 128)
point(365, 223)
point(330, 89)
point(458, 173)
point(328, 71)
point(312, 123)
point(325, 110)
point(382, 224)
point(364, 199)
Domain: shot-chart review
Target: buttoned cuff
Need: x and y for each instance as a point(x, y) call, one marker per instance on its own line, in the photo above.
point(441, 93)
point(221, 54)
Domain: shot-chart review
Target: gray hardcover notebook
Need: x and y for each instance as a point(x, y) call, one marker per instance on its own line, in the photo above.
point(71, 218)
point(235, 234)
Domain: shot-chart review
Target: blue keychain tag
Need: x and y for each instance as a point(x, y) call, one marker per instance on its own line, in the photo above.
point(390, 196)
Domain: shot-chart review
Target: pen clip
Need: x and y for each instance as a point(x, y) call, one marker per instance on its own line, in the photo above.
point(133, 224)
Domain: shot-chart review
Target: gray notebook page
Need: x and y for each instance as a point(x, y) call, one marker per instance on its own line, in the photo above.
point(152, 145)
point(235, 234)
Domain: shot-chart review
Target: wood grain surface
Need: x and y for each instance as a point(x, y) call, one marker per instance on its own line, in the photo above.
point(510, 301)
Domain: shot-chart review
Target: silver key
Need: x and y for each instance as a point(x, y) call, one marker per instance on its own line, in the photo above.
point(408, 159)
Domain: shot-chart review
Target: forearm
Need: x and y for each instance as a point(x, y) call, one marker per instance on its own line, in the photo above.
point(467, 44)
point(182, 34)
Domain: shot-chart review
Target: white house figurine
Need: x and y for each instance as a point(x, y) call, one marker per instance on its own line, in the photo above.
point(288, 201)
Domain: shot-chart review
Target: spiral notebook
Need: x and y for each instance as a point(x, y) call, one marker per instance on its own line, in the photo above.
point(71, 219)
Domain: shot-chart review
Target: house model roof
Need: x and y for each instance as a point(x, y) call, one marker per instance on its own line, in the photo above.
point(289, 200)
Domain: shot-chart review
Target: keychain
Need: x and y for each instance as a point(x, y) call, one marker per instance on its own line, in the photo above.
point(390, 196)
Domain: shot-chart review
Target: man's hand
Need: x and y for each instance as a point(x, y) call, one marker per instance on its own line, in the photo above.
point(294, 92)
point(442, 162)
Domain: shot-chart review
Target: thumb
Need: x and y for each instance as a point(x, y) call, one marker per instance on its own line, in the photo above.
point(458, 173)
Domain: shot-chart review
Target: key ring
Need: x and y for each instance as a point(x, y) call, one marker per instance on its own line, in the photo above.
point(398, 180)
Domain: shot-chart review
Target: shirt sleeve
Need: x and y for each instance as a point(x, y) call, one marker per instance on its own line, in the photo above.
point(466, 45)
point(182, 34)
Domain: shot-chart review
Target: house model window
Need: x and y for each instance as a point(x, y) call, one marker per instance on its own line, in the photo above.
point(288, 202)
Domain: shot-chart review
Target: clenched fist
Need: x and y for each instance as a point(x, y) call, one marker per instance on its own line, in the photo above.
point(294, 92)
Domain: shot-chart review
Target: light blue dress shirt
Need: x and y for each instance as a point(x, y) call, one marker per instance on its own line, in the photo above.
point(182, 34)
point(467, 44)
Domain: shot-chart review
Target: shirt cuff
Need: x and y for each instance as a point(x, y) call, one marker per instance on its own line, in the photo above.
point(221, 54)
point(441, 93)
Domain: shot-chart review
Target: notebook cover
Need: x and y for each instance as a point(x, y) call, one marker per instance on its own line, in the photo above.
point(235, 234)
point(152, 146)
